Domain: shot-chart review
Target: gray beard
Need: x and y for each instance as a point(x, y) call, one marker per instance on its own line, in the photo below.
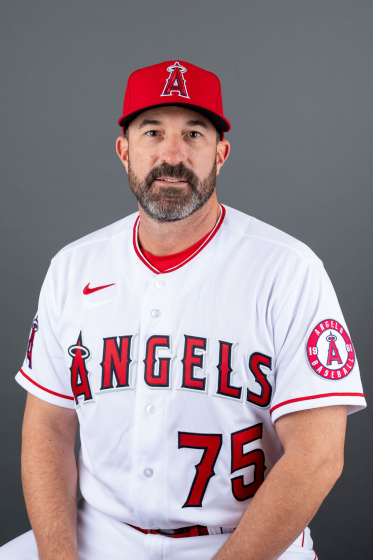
point(171, 204)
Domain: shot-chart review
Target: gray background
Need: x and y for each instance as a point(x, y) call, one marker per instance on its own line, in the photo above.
point(297, 88)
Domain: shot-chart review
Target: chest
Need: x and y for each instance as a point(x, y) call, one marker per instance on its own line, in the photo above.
point(209, 336)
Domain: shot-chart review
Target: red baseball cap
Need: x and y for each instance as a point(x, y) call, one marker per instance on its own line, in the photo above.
point(174, 83)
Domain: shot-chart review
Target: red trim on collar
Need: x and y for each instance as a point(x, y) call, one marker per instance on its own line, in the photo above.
point(167, 262)
point(200, 245)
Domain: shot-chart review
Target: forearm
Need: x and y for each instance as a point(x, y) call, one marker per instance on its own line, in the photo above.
point(49, 478)
point(283, 506)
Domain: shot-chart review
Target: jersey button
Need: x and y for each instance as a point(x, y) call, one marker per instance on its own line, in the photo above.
point(155, 313)
point(150, 409)
point(160, 283)
point(148, 472)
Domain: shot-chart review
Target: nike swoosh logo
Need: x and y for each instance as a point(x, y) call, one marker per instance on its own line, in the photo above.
point(87, 290)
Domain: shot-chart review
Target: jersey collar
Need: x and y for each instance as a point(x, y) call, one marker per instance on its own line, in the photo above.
point(212, 234)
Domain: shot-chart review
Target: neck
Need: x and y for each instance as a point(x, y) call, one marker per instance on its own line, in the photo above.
point(161, 239)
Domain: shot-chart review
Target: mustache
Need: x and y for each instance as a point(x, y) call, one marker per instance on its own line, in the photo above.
point(179, 171)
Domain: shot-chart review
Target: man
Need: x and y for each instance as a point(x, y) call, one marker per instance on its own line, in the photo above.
point(203, 353)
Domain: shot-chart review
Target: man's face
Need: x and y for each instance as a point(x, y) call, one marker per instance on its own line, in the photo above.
point(172, 161)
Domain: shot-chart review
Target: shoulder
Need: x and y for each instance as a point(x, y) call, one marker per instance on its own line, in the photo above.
point(259, 236)
point(85, 259)
point(97, 240)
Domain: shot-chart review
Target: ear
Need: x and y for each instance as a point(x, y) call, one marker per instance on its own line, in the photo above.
point(222, 152)
point(122, 150)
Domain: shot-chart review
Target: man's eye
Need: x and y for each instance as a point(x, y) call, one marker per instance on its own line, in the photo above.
point(152, 132)
point(194, 134)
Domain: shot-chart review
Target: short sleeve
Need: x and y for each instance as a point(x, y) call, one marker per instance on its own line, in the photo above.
point(44, 372)
point(315, 361)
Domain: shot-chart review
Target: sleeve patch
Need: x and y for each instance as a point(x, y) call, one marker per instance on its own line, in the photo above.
point(330, 352)
point(30, 345)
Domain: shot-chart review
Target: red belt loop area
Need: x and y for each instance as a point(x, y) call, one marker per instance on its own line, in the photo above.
point(194, 531)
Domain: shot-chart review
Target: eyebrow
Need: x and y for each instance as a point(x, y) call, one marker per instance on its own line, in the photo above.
point(154, 122)
point(146, 122)
point(197, 123)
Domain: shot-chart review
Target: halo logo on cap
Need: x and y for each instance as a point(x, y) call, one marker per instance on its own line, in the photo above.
point(329, 350)
point(175, 81)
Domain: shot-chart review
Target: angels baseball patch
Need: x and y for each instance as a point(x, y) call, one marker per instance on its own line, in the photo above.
point(330, 351)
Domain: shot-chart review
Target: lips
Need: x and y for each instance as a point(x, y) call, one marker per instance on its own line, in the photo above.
point(171, 176)
point(168, 180)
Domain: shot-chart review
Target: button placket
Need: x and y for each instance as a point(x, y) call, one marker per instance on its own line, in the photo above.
point(152, 402)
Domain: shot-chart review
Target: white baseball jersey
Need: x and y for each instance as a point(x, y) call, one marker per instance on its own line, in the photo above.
point(178, 378)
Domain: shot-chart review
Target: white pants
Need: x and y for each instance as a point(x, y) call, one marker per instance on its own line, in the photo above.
point(103, 538)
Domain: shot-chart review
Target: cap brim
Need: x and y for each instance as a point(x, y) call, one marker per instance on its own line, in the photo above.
point(220, 123)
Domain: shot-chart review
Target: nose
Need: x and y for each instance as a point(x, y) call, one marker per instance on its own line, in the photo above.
point(173, 149)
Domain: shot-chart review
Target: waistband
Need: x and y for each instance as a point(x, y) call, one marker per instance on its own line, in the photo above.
point(192, 531)
point(304, 540)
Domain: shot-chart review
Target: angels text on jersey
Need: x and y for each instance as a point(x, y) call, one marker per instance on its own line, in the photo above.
point(116, 368)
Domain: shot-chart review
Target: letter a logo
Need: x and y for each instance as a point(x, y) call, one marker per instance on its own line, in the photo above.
point(333, 354)
point(175, 81)
point(79, 373)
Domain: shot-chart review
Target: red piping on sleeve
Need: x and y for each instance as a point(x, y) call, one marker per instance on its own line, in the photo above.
point(44, 389)
point(317, 397)
point(303, 539)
